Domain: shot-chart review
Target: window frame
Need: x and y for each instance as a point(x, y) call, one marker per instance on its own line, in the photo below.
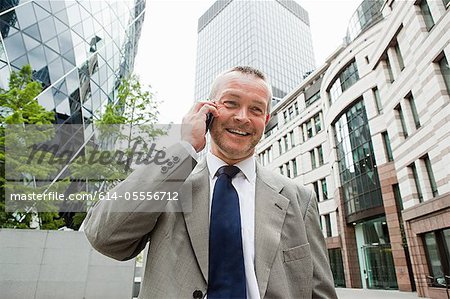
point(419, 192)
point(426, 14)
point(444, 67)
point(312, 156)
point(443, 253)
point(430, 175)
point(387, 146)
point(399, 111)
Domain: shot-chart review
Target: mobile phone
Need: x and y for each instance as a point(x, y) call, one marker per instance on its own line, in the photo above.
point(209, 120)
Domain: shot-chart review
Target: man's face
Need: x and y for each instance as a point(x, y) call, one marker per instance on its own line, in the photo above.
point(242, 105)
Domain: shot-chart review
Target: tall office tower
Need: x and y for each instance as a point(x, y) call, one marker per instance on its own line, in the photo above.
point(78, 50)
point(273, 36)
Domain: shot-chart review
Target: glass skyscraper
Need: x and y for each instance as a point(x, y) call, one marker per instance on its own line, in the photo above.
point(273, 36)
point(78, 50)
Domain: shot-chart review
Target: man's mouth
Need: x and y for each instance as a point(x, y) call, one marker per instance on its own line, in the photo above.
point(238, 132)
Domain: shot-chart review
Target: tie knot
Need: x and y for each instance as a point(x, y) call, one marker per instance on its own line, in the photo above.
point(229, 170)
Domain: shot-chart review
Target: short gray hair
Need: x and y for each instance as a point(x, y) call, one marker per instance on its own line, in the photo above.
point(248, 70)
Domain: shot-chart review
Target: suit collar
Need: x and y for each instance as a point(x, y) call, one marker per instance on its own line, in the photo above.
point(247, 166)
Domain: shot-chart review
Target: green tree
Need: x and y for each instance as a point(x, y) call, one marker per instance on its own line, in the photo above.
point(137, 109)
point(19, 107)
point(131, 119)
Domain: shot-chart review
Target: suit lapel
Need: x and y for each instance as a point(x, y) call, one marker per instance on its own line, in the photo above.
point(270, 211)
point(197, 221)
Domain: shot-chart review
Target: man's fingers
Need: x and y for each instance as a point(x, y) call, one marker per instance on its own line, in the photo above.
point(197, 106)
point(209, 109)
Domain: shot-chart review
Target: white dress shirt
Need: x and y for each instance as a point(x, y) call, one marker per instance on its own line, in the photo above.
point(244, 183)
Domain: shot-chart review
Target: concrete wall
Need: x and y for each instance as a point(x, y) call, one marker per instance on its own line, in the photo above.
point(59, 264)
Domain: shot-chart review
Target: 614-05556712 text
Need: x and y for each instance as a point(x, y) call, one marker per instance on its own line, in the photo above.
point(139, 195)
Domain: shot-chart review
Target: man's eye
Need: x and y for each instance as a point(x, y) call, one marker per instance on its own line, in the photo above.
point(257, 110)
point(229, 104)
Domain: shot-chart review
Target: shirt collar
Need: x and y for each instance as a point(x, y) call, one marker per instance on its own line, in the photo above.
point(247, 166)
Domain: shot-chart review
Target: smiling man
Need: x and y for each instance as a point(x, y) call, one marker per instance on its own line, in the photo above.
point(252, 233)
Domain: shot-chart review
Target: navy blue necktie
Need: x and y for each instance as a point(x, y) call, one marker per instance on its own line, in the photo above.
point(226, 258)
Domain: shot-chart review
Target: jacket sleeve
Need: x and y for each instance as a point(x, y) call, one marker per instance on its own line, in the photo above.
point(121, 228)
point(323, 283)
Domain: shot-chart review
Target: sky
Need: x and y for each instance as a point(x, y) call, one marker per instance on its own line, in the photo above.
point(168, 45)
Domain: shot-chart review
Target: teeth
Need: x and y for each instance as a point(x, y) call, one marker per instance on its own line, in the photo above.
point(239, 132)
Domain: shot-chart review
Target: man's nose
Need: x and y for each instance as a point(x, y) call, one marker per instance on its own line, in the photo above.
point(241, 115)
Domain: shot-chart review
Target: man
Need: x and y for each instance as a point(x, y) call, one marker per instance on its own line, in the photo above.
point(251, 233)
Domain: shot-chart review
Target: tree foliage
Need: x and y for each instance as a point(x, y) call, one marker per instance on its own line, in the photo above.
point(132, 119)
point(19, 106)
point(136, 109)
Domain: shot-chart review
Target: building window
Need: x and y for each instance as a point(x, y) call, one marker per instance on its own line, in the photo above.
point(402, 120)
point(387, 146)
point(296, 108)
point(328, 224)
point(301, 135)
point(280, 148)
point(437, 249)
point(266, 156)
point(349, 76)
point(346, 78)
point(271, 131)
point(291, 112)
point(312, 99)
point(281, 169)
point(285, 116)
point(316, 189)
point(398, 197)
point(286, 143)
point(412, 105)
point(291, 138)
point(356, 162)
point(317, 123)
point(445, 70)
point(288, 169)
point(337, 267)
point(269, 154)
point(430, 175)
point(309, 129)
point(376, 95)
point(389, 68)
point(446, 3)
point(413, 169)
point(323, 182)
point(294, 167)
point(320, 151)
point(401, 64)
point(425, 10)
point(312, 155)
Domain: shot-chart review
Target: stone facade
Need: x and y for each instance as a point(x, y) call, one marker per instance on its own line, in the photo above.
point(402, 84)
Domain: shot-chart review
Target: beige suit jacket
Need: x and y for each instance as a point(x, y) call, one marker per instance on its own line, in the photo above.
point(291, 260)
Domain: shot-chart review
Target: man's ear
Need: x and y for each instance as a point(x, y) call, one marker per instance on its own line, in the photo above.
point(267, 118)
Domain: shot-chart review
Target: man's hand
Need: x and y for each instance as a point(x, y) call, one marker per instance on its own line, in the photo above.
point(193, 129)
